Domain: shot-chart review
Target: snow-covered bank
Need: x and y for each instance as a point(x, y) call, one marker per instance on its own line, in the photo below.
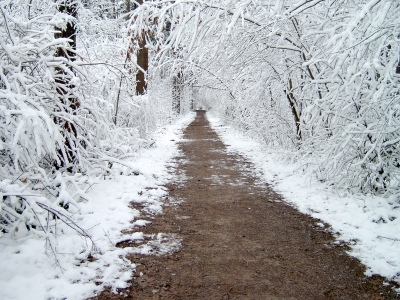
point(369, 223)
point(28, 273)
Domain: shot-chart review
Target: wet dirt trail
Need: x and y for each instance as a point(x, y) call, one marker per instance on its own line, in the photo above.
point(239, 240)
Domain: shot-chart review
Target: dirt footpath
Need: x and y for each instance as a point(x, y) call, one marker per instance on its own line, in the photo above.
point(239, 240)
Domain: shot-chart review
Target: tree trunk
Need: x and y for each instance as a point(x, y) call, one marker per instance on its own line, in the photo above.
point(143, 62)
point(69, 103)
point(68, 7)
point(177, 92)
point(127, 8)
point(292, 104)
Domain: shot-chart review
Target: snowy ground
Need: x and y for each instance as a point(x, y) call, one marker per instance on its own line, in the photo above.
point(370, 224)
point(27, 272)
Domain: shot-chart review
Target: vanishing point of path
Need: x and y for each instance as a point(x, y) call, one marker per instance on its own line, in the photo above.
point(239, 240)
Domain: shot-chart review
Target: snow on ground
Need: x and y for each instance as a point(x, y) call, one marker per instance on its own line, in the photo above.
point(369, 223)
point(27, 272)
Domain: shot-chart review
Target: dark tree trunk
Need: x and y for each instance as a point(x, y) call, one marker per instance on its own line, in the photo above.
point(68, 7)
point(69, 103)
point(177, 92)
point(127, 7)
point(143, 62)
point(292, 104)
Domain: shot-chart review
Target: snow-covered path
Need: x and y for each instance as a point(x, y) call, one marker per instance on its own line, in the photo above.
point(240, 240)
point(238, 236)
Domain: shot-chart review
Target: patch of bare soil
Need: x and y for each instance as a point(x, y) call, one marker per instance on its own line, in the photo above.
point(240, 240)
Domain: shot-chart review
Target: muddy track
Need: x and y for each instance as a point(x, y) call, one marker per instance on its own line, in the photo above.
point(239, 239)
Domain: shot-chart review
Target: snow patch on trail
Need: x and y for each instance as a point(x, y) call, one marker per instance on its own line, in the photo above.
point(160, 244)
point(369, 223)
point(28, 273)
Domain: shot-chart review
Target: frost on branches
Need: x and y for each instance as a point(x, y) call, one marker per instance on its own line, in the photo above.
point(60, 126)
point(33, 121)
point(315, 80)
point(359, 110)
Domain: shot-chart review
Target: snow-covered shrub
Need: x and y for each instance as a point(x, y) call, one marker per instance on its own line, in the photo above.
point(40, 132)
point(314, 79)
point(29, 100)
point(50, 146)
point(354, 128)
point(67, 118)
point(47, 209)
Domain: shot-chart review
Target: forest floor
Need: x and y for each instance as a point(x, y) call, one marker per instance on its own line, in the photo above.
point(240, 240)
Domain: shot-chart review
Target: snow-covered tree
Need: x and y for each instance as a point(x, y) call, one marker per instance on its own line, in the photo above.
point(317, 78)
point(63, 69)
